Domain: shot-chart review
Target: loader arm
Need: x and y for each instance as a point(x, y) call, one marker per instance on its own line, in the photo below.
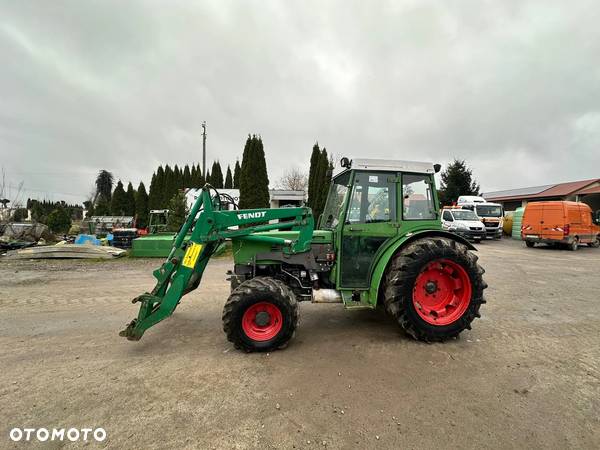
point(209, 226)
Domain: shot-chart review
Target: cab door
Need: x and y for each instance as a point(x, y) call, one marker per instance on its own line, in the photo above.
point(371, 220)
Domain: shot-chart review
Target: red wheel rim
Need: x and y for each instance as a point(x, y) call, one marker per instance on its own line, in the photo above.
point(442, 292)
point(262, 321)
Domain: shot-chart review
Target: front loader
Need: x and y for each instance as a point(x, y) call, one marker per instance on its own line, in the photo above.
point(379, 242)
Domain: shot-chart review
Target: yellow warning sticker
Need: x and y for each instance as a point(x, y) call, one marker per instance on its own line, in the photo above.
point(191, 255)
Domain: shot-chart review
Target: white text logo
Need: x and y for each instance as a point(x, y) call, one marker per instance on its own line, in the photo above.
point(252, 215)
point(57, 434)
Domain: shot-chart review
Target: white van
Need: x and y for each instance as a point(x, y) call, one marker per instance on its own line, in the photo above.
point(463, 222)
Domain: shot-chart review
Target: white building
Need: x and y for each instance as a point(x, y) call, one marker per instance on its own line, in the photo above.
point(279, 198)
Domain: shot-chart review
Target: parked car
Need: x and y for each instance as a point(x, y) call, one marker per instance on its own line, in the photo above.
point(463, 222)
point(560, 223)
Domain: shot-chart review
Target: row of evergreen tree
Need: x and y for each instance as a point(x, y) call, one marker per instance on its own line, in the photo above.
point(167, 183)
point(41, 209)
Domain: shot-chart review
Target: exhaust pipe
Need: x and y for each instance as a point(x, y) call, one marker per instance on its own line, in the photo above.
point(326, 296)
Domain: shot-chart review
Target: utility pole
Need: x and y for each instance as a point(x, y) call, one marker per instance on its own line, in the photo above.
point(204, 149)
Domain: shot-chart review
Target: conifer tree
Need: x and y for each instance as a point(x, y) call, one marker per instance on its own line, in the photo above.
point(457, 180)
point(193, 176)
point(200, 180)
point(319, 179)
point(141, 206)
point(118, 204)
point(237, 173)
point(228, 179)
point(216, 177)
point(313, 178)
point(130, 209)
point(325, 171)
point(168, 189)
point(178, 177)
point(153, 195)
point(254, 182)
point(187, 177)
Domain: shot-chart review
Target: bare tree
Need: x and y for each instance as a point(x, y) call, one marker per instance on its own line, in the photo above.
point(9, 197)
point(293, 179)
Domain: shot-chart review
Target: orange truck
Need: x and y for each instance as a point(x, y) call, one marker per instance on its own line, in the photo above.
point(556, 223)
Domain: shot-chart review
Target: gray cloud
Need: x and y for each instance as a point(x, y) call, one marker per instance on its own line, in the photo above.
point(512, 87)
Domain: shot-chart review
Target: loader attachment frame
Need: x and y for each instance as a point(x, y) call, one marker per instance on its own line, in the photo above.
point(209, 226)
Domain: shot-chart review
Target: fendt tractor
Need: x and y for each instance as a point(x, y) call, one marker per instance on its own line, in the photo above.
point(379, 243)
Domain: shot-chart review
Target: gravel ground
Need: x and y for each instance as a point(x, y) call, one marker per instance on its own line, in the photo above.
point(526, 376)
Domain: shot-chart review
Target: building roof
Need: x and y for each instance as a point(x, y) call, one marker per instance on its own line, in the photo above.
point(282, 194)
point(549, 190)
point(589, 190)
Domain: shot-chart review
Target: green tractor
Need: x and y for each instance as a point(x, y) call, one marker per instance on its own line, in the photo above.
point(379, 243)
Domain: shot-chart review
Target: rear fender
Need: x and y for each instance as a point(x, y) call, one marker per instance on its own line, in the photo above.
point(386, 256)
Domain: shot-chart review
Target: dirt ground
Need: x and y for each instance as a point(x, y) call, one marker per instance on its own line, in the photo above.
point(526, 376)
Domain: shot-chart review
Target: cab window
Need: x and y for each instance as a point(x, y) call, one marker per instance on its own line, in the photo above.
point(417, 197)
point(373, 199)
point(448, 216)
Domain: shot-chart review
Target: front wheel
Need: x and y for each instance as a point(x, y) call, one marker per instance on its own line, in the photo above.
point(434, 288)
point(261, 314)
point(595, 243)
point(530, 244)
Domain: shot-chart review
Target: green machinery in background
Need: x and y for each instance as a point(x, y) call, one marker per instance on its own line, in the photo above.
point(159, 241)
point(379, 242)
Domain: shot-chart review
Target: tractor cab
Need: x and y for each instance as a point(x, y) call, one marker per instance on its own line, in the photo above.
point(371, 204)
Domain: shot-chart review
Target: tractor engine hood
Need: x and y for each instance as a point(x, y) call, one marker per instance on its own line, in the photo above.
point(245, 251)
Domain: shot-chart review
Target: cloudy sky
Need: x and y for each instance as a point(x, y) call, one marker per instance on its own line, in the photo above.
point(513, 87)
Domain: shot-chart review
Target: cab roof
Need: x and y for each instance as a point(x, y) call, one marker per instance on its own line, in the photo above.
point(392, 165)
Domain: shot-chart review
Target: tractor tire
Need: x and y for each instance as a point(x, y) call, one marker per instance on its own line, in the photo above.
point(434, 288)
point(260, 315)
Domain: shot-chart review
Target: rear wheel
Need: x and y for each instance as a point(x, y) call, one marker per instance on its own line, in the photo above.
point(434, 288)
point(595, 243)
point(574, 245)
point(530, 244)
point(261, 314)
